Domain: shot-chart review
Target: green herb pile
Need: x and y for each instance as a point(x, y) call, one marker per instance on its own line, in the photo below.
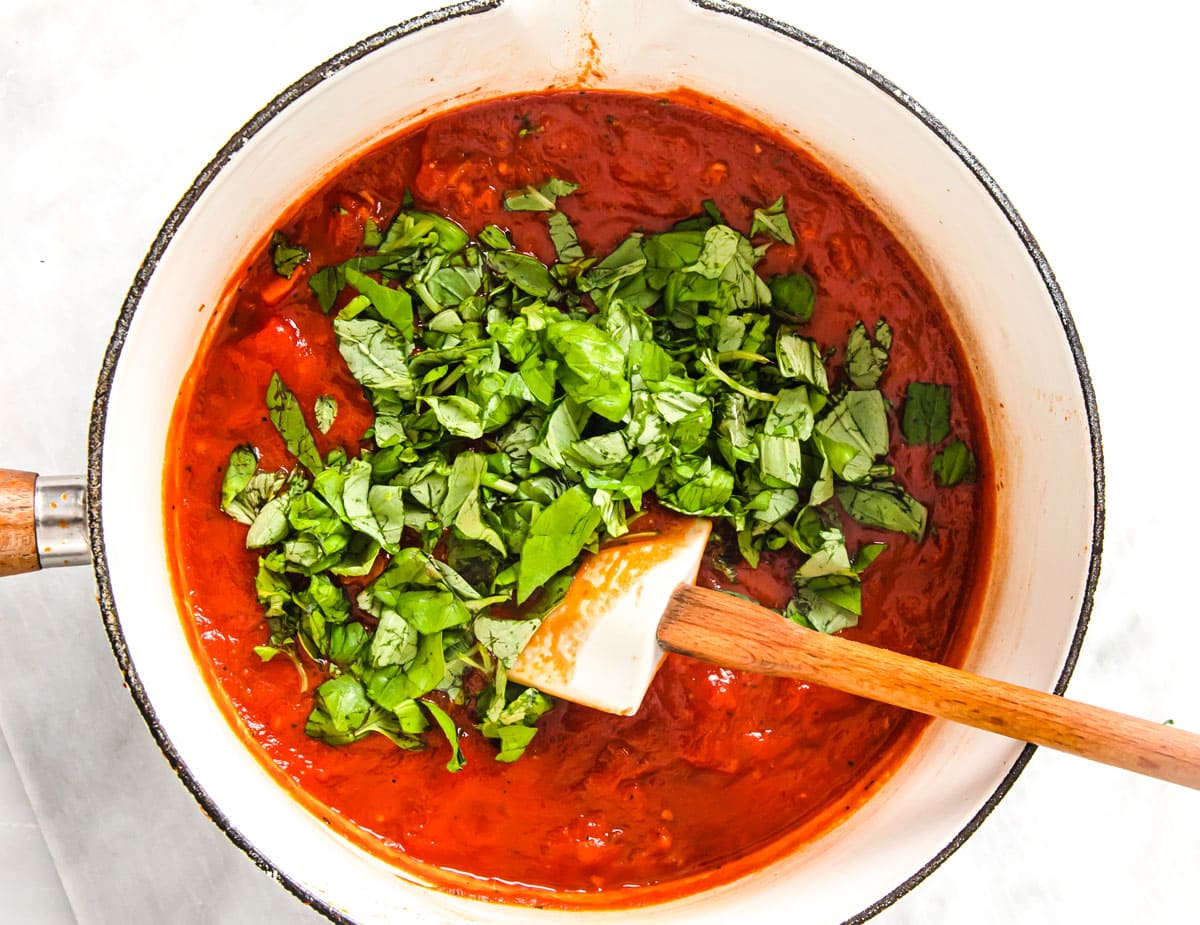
point(523, 413)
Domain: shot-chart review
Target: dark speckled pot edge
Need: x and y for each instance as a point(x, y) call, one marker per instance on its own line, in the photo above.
point(353, 54)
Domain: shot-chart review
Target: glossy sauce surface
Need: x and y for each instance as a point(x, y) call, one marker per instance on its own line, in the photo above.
point(719, 772)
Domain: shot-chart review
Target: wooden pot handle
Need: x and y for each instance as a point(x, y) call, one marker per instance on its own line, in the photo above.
point(18, 536)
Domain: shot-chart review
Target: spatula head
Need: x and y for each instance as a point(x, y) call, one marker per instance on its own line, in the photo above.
point(599, 646)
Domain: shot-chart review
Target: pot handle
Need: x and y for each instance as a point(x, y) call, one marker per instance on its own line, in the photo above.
point(42, 522)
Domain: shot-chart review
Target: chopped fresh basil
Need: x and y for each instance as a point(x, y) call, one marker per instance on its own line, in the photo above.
point(325, 411)
point(954, 464)
point(523, 412)
point(285, 413)
point(867, 356)
point(853, 434)
point(543, 198)
point(793, 297)
point(505, 638)
point(372, 234)
point(556, 537)
point(772, 221)
point(885, 505)
point(243, 463)
point(326, 284)
point(493, 236)
point(285, 256)
point(394, 305)
point(562, 234)
point(450, 731)
point(926, 413)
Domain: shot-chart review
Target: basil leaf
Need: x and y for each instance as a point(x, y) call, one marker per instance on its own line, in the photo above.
point(954, 464)
point(821, 604)
point(800, 358)
point(505, 638)
point(793, 297)
point(414, 230)
point(285, 256)
point(781, 460)
point(564, 238)
point(462, 506)
point(460, 416)
point(326, 284)
point(344, 701)
point(375, 356)
point(853, 433)
point(285, 414)
point(885, 505)
point(542, 198)
point(556, 537)
point(376, 510)
point(450, 731)
point(394, 305)
point(243, 463)
point(271, 525)
point(394, 642)
point(524, 271)
point(626, 261)
point(830, 557)
point(593, 367)
point(429, 611)
point(325, 411)
point(772, 221)
point(867, 357)
point(926, 413)
point(347, 642)
point(513, 740)
point(408, 713)
point(495, 238)
point(866, 555)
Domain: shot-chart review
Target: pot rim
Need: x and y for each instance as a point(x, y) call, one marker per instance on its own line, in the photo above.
point(353, 54)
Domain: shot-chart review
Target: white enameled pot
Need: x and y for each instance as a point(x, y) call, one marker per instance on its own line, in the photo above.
point(959, 227)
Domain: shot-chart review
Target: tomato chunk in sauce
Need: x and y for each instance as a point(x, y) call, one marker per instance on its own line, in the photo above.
point(720, 772)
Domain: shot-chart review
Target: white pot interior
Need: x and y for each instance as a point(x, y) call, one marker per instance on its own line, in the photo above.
point(1025, 370)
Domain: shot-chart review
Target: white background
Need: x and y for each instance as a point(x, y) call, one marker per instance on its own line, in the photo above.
point(1087, 117)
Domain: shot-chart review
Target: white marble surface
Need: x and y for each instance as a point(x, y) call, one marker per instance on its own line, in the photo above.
point(108, 110)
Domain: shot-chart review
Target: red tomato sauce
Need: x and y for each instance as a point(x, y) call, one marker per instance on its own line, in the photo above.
point(720, 772)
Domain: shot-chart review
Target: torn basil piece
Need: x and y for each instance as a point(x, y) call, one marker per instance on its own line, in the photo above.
point(543, 198)
point(954, 464)
point(564, 238)
point(773, 222)
point(243, 463)
point(450, 731)
point(793, 297)
point(828, 605)
point(926, 413)
point(325, 410)
point(288, 418)
point(556, 537)
point(286, 257)
point(885, 505)
point(853, 433)
point(505, 638)
point(867, 355)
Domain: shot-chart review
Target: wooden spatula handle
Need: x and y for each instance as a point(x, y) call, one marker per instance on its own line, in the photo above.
point(735, 633)
point(18, 539)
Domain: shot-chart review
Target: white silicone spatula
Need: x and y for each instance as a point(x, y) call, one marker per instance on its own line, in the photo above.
point(632, 602)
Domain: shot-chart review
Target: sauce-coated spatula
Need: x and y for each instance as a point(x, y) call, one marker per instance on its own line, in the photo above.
point(602, 646)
